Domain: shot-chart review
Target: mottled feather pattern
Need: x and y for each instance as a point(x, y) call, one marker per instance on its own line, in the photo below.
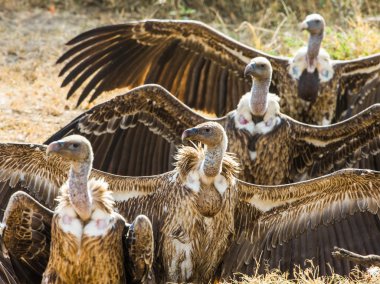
point(73, 262)
point(291, 151)
point(188, 158)
point(314, 213)
point(27, 235)
point(42, 176)
point(178, 222)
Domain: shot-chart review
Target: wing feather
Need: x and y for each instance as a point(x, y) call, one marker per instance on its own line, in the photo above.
point(117, 128)
point(322, 149)
point(311, 218)
point(26, 166)
point(158, 51)
point(359, 85)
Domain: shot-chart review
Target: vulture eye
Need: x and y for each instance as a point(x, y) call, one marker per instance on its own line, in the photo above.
point(75, 145)
point(316, 21)
point(207, 130)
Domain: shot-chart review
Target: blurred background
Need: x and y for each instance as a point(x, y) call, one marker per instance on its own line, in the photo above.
point(353, 27)
point(33, 35)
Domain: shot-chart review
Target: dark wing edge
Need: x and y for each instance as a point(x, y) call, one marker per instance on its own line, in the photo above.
point(342, 210)
point(151, 105)
point(323, 149)
point(26, 235)
point(117, 128)
point(359, 85)
point(190, 59)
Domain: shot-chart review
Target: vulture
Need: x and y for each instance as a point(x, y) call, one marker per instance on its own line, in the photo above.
point(207, 224)
point(272, 147)
point(86, 234)
point(204, 68)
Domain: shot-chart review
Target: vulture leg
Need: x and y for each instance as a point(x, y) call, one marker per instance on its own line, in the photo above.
point(366, 260)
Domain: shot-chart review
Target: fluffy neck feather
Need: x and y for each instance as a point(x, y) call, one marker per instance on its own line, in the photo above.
point(313, 48)
point(212, 164)
point(79, 193)
point(259, 96)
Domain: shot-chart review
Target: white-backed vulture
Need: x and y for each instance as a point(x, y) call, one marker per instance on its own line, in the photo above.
point(87, 235)
point(199, 210)
point(204, 69)
point(272, 147)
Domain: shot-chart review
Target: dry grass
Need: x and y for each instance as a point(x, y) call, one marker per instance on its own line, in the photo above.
point(33, 105)
point(307, 276)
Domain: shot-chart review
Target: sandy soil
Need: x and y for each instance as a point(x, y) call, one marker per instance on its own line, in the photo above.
point(32, 104)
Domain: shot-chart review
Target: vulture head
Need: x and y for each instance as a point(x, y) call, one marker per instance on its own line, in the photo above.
point(314, 24)
point(259, 68)
point(209, 133)
point(260, 71)
point(74, 148)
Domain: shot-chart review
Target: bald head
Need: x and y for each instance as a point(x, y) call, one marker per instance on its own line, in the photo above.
point(314, 24)
point(209, 133)
point(74, 148)
point(259, 68)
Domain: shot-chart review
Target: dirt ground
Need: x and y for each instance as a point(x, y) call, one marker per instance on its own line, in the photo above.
point(32, 104)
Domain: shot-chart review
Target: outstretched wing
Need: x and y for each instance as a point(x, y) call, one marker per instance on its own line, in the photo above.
point(322, 149)
point(26, 166)
point(198, 64)
point(285, 225)
point(359, 85)
point(134, 133)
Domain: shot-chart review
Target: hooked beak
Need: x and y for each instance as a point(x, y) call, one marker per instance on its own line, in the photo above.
point(189, 133)
point(304, 26)
point(249, 69)
point(54, 147)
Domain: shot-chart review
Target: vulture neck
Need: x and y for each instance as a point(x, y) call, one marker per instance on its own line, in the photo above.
point(313, 47)
point(212, 164)
point(259, 96)
point(78, 190)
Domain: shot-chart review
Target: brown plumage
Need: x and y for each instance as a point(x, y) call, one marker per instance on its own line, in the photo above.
point(272, 147)
point(87, 258)
point(283, 224)
point(7, 272)
point(87, 235)
point(204, 68)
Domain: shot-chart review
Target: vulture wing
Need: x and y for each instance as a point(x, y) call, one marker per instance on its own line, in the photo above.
point(198, 64)
point(26, 235)
point(359, 85)
point(27, 222)
point(135, 133)
point(7, 273)
point(282, 226)
point(322, 149)
point(27, 167)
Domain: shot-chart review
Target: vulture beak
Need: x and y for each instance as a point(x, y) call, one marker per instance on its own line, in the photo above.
point(54, 147)
point(249, 69)
point(189, 133)
point(304, 25)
